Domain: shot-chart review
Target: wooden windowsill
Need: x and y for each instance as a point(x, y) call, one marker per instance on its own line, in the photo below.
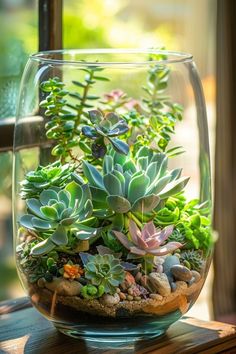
point(24, 330)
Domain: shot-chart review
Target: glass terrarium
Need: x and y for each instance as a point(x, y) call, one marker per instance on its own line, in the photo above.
point(112, 198)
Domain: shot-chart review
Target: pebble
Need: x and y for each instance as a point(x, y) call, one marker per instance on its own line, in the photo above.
point(137, 298)
point(138, 276)
point(129, 280)
point(110, 300)
point(41, 283)
point(159, 268)
point(145, 283)
point(64, 287)
point(160, 283)
point(191, 281)
point(181, 272)
point(156, 296)
point(122, 296)
point(173, 286)
point(118, 290)
point(130, 297)
point(196, 275)
point(170, 261)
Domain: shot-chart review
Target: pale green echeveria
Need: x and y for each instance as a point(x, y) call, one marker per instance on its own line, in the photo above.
point(56, 212)
point(137, 185)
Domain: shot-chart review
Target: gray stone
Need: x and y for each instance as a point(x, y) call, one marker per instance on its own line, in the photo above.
point(64, 287)
point(110, 300)
point(160, 282)
point(196, 275)
point(181, 272)
point(191, 281)
point(173, 286)
point(170, 261)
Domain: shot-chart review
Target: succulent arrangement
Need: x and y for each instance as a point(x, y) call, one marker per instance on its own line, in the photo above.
point(108, 222)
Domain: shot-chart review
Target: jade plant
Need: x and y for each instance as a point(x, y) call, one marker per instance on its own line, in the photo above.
point(109, 213)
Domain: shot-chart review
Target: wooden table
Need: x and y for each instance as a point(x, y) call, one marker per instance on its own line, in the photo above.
point(24, 330)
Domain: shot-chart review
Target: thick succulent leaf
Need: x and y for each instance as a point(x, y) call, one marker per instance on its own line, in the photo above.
point(152, 171)
point(138, 187)
point(119, 146)
point(86, 195)
point(84, 257)
point(49, 212)
point(143, 162)
point(46, 195)
point(69, 221)
point(59, 237)
point(148, 230)
point(138, 251)
point(60, 207)
point(118, 168)
point(174, 187)
point(77, 178)
point(93, 175)
point(118, 158)
point(121, 178)
point(129, 166)
point(123, 239)
point(146, 204)
point(144, 151)
point(159, 184)
point(118, 222)
point(175, 174)
point(128, 177)
point(168, 248)
point(99, 198)
point(118, 204)
point(129, 267)
point(103, 213)
point(163, 166)
point(89, 132)
point(95, 116)
point(120, 128)
point(75, 191)
point(64, 196)
point(26, 221)
point(107, 164)
point(34, 206)
point(87, 210)
point(42, 225)
point(66, 213)
point(42, 248)
point(134, 231)
point(112, 184)
point(165, 233)
point(112, 118)
point(86, 232)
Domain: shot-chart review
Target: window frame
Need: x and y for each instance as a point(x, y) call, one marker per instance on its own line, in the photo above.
point(50, 13)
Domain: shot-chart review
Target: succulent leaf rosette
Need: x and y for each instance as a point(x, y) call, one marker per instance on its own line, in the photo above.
point(148, 241)
point(127, 184)
point(56, 211)
point(105, 130)
point(104, 270)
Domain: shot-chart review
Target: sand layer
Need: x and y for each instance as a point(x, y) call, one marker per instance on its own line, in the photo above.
point(161, 305)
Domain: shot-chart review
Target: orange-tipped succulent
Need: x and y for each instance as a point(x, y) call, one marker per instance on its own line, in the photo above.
point(72, 271)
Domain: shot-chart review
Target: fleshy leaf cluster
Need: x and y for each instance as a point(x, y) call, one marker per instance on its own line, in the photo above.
point(136, 185)
point(105, 130)
point(104, 271)
point(148, 241)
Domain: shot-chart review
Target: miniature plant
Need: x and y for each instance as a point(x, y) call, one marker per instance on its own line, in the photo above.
point(148, 241)
point(128, 186)
point(104, 270)
point(193, 258)
point(55, 212)
point(92, 292)
point(52, 175)
point(105, 129)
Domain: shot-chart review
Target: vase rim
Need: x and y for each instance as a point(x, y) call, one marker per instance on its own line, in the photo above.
point(53, 57)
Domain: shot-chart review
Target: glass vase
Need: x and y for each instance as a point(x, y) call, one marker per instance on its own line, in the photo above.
point(112, 195)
